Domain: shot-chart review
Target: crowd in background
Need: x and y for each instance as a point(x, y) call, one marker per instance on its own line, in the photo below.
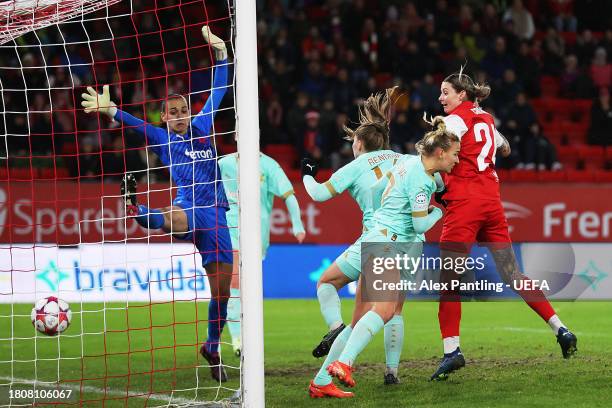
point(317, 60)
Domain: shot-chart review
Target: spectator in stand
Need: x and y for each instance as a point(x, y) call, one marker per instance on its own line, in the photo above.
point(313, 82)
point(519, 117)
point(563, 12)
point(411, 18)
point(522, 20)
point(275, 116)
point(538, 152)
point(506, 94)
point(344, 153)
point(497, 60)
point(369, 42)
point(600, 130)
point(490, 20)
point(601, 70)
point(553, 53)
point(465, 18)
point(585, 47)
point(473, 41)
point(606, 42)
point(89, 158)
point(296, 118)
point(574, 82)
point(429, 92)
point(528, 70)
point(343, 90)
point(312, 141)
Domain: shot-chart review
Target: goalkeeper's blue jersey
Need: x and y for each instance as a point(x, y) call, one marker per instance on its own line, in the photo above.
point(192, 157)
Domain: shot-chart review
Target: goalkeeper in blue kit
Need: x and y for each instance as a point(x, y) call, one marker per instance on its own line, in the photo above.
point(198, 211)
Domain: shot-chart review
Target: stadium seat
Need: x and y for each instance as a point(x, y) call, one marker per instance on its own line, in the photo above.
point(549, 86)
point(524, 175)
point(282, 152)
point(63, 173)
point(18, 173)
point(3, 173)
point(552, 176)
point(591, 157)
point(603, 176)
point(503, 174)
point(583, 176)
point(576, 131)
point(568, 155)
point(581, 110)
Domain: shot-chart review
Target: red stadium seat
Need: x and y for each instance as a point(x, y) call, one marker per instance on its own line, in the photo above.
point(581, 110)
point(3, 173)
point(503, 174)
point(592, 157)
point(281, 152)
point(17, 173)
point(603, 176)
point(608, 153)
point(552, 176)
point(568, 155)
point(549, 86)
point(576, 132)
point(524, 175)
point(582, 176)
point(62, 173)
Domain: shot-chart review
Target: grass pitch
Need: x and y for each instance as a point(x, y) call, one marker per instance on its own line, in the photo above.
point(512, 357)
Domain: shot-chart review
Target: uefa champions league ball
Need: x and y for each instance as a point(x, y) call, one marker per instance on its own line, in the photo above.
point(51, 316)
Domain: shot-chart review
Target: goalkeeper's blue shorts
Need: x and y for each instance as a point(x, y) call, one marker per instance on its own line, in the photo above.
point(207, 229)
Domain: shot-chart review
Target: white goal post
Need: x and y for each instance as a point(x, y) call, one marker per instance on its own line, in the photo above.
point(250, 215)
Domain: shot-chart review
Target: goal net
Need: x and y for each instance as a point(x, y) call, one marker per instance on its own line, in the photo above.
point(139, 298)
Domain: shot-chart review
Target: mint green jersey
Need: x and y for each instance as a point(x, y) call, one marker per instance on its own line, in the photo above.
point(408, 189)
point(273, 183)
point(358, 177)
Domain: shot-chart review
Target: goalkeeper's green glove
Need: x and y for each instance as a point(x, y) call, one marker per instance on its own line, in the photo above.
point(95, 102)
point(215, 42)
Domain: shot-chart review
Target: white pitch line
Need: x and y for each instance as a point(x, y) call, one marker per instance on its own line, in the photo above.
point(88, 388)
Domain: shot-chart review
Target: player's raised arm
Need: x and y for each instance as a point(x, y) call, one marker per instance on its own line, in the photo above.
point(316, 191)
point(102, 103)
point(281, 187)
point(204, 119)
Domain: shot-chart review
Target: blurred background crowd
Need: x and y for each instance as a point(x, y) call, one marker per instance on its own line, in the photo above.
point(548, 63)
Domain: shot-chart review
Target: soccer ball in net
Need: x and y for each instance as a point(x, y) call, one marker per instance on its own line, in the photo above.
point(51, 316)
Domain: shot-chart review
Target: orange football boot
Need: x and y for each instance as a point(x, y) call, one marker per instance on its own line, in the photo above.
point(342, 372)
point(327, 391)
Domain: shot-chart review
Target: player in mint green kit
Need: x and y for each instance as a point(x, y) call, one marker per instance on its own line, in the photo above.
point(404, 216)
point(372, 160)
point(274, 183)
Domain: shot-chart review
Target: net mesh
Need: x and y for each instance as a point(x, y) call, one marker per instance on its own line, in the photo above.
point(139, 298)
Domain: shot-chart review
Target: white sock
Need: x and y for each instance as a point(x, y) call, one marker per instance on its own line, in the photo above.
point(335, 325)
point(450, 344)
point(555, 324)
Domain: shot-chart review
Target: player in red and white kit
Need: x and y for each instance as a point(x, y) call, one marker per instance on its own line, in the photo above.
point(474, 213)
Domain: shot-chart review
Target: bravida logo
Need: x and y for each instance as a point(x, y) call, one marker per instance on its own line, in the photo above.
point(3, 209)
point(513, 210)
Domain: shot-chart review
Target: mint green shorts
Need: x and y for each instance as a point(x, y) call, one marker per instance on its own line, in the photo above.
point(349, 261)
